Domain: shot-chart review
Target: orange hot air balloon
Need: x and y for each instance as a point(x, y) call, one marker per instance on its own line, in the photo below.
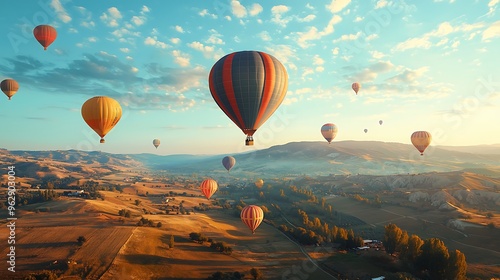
point(9, 87)
point(421, 140)
point(259, 183)
point(45, 35)
point(208, 187)
point(101, 113)
point(252, 216)
point(156, 143)
point(356, 87)
point(248, 86)
point(329, 131)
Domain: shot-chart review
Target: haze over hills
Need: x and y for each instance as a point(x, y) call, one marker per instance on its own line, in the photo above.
point(295, 158)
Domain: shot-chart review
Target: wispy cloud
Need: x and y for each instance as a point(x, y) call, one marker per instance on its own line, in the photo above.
point(111, 17)
point(277, 12)
point(492, 31)
point(60, 11)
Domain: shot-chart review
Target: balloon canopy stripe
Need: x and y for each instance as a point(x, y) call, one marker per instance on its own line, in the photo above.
point(220, 99)
point(269, 83)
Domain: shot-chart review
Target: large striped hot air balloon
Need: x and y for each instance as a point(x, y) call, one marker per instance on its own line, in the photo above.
point(208, 187)
point(356, 87)
point(45, 35)
point(248, 86)
point(252, 216)
point(156, 143)
point(421, 140)
point(228, 162)
point(329, 131)
point(101, 113)
point(9, 87)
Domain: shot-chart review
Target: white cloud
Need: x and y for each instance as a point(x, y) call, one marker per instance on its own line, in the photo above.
point(153, 41)
point(125, 50)
point(318, 60)
point(335, 51)
point(180, 58)
point(228, 18)
point(314, 34)
point(128, 57)
point(60, 11)
point(358, 19)
point(175, 40)
point(264, 35)
point(278, 12)
point(214, 38)
point(308, 18)
point(348, 37)
point(208, 51)
point(92, 39)
point(237, 9)
point(414, 43)
point(138, 21)
point(111, 18)
point(179, 29)
point(144, 9)
point(255, 9)
point(134, 69)
point(285, 54)
point(371, 37)
point(455, 44)
point(205, 12)
point(72, 30)
point(381, 4)
point(309, 6)
point(492, 5)
point(492, 31)
point(442, 42)
point(377, 54)
point(337, 5)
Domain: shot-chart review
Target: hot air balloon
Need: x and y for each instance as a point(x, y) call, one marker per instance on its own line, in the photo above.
point(228, 162)
point(208, 187)
point(252, 216)
point(248, 86)
point(101, 113)
point(9, 87)
point(259, 183)
point(356, 87)
point(421, 140)
point(329, 131)
point(380, 122)
point(156, 143)
point(45, 35)
point(366, 130)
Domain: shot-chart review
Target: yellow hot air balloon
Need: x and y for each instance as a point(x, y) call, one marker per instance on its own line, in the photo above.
point(421, 140)
point(9, 87)
point(101, 113)
point(156, 143)
point(252, 216)
point(259, 183)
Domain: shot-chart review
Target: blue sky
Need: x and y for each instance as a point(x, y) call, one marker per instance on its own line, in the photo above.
point(426, 65)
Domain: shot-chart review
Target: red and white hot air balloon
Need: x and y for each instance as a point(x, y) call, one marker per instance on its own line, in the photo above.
point(208, 187)
point(252, 216)
point(356, 87)
point(421, 140)
point(329, 131)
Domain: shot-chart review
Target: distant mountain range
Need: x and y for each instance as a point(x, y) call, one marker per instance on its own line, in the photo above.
point(296, 158)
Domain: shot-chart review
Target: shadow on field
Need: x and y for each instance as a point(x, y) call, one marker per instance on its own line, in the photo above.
point(151, 259)
point(46, 245)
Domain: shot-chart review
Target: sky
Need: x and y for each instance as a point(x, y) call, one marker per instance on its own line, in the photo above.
point(423, 65)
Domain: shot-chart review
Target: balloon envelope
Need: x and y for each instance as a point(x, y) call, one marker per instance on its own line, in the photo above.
point(45, 35)
point(9, 87)
point(248, 86)
point(252, 216)
point(228, 162)
point(366, 130)
point(101, 113)
point(156, 143)
point(421, 140)
point(329, 131)
point(380, 122)
point(356, 87)
point(208, 187)
point(259, 183)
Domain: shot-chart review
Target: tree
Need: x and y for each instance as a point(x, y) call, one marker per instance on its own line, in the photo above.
point(434, 258)
point(392, 238)
point(81, 239)
point(457, 266)
point(158, 225)
point(413, 249)
point(137, 202)
point(171, 242)
point(256, 273)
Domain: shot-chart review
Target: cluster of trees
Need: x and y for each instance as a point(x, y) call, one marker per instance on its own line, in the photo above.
point(304, 193)
point(222, 247)
point(375, 202)
point(147, 222)
point(254, 272)
point(125, 213)
point(35, 197)
point(430, 256)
